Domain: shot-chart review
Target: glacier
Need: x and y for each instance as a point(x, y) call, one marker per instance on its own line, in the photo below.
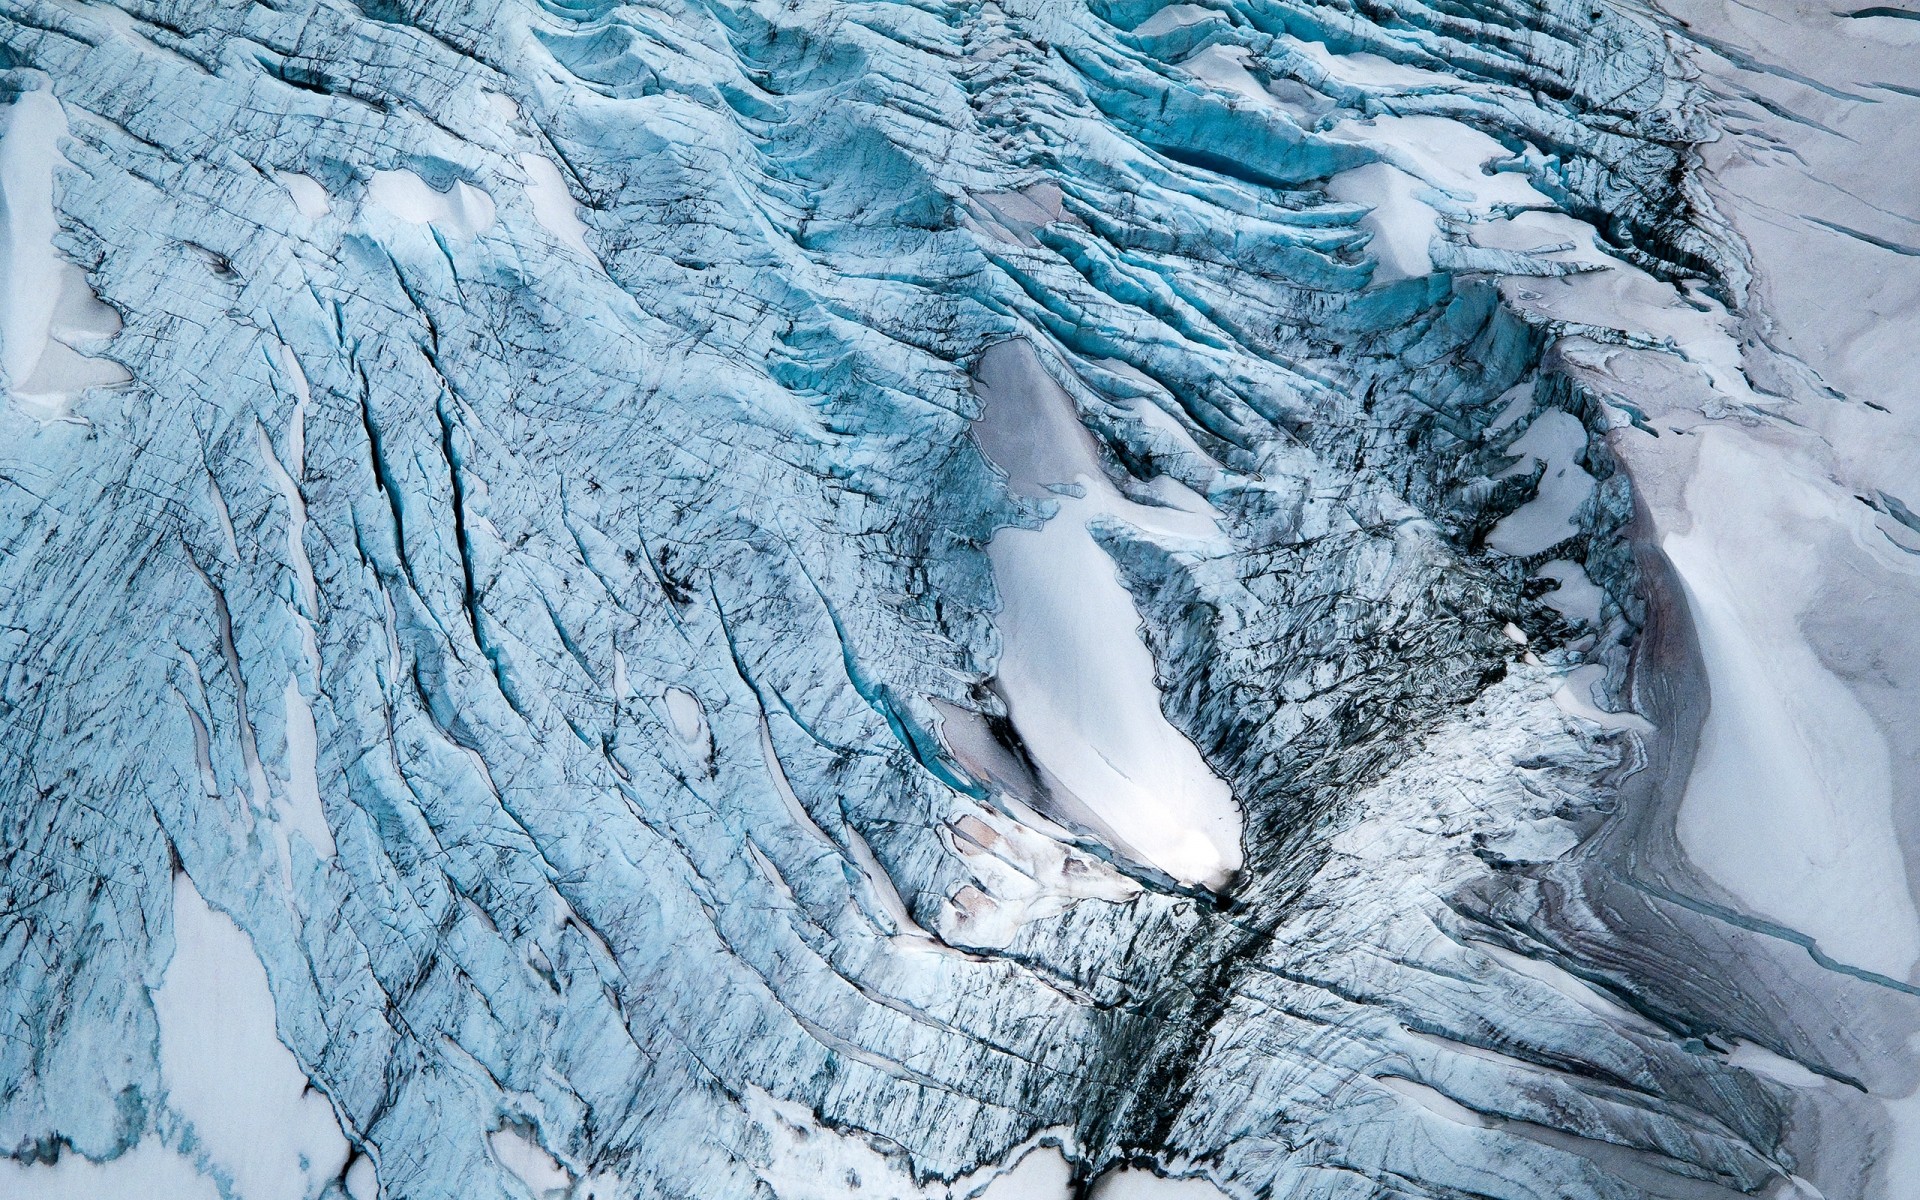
point(957, 598)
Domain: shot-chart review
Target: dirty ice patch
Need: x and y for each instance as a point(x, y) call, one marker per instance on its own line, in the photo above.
point(1020, 875)
point(227, 1072)
point(1790, 804)
point(1077, 677)
point(462, 210)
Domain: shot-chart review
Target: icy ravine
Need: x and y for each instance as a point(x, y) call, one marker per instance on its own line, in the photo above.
point(540, 581)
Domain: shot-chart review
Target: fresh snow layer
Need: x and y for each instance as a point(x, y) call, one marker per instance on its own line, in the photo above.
point(1078, 679)
point(1790, 805)
point(149, 1171)
point(553, 205)
point(463, 210)
point(48, 315)
point(1552, 443)
point(253, 1113)
point(310, 197)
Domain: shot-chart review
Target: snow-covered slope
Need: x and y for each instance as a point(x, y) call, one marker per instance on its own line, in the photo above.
point(833, 599)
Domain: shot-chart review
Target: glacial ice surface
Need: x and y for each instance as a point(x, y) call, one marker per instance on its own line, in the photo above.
point(959, 599)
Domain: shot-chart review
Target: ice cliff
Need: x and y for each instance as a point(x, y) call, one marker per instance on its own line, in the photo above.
point(825, 599)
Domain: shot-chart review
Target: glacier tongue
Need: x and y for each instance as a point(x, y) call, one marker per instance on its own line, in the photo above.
point(1001, 599)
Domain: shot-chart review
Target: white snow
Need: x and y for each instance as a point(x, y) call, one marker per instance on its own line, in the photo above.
point(462, 210)
point(49, 317)
point(362, 1181)
point(1402, 224)
point(1790, 804)
point(685, 714)
point(303, 809)
point(1555, 438)
point(225, 1068)
point(149, 1171)
point(529, 1162)
point(310, 199)
point(1041, 1174)
point(1077, 677)
point(503, 106)
point(553, 205)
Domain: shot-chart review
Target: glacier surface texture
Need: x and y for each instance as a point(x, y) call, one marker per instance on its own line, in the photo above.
point(814, 599)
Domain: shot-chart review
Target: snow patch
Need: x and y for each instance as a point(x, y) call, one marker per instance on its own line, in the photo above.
point(1434, 1101)
point(1077, 677)
point(1555, 439)
point(1403, 225)
point(1577, 597)
point(1135, 1183)
point(1762, 1061)
point(530, 1163)
point(310, 199)
point(149, 1171)
point(462, 210)
point(49, 317)
point(303, 809)
point(225, 1068)
point(1790, 804)
point(805, 1160)
point(684, 713)
point(553, 205)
